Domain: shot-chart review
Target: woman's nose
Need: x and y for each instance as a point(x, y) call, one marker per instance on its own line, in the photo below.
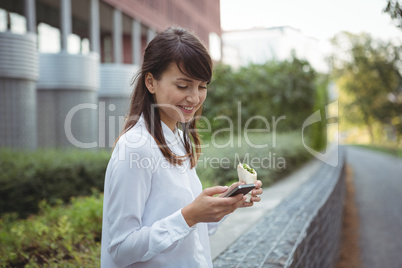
point(193, 96)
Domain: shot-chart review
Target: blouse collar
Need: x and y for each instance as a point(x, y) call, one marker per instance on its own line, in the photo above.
point(168, 133)
point(170, 136)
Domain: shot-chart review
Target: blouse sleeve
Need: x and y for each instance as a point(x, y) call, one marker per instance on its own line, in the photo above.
point(128, 187)
point(214, 226)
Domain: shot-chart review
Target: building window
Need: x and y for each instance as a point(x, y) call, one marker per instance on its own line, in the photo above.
point(107, 44)
point(48, 38)
point(18, 23)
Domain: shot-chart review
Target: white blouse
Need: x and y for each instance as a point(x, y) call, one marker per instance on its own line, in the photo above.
point(142, 221)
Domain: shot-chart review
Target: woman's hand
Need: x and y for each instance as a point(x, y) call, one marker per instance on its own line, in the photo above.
point(207, 208)
point(255, 193)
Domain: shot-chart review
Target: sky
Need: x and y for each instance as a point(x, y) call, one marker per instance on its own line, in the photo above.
point(321, 19)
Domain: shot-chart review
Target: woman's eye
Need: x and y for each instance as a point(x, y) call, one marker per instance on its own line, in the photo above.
point(181, 87)
point(203, 87)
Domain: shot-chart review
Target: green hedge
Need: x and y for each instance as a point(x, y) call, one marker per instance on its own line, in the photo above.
point(283, 154)
point(59, 236)
point(27, 177)
point(63, 235)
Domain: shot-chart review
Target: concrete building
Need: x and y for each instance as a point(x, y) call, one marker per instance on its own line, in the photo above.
point(72, 89)
point(258, 45)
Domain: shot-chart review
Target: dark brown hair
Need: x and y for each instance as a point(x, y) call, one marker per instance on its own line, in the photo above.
point(193, 60)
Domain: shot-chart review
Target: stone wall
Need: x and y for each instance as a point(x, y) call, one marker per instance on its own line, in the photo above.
point(302, 231)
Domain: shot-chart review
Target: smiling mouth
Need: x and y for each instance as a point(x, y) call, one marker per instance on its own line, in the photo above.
point(186, 108)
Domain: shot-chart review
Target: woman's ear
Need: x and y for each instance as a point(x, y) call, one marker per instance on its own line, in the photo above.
point(150, 83)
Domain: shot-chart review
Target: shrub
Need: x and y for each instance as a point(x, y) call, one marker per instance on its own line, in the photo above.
point(27, 177)
point(59, 236)
point(276, 88)
point(283, 154)
point(69, 235)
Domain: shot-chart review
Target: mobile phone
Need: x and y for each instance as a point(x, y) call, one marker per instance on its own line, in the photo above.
point(241, 189)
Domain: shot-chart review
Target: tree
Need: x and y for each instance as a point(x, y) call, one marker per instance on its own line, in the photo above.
point(370, 83)
point(394, 9)
point(274, 89)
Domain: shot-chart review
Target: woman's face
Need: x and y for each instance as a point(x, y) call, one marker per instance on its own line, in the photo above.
point(177, 96)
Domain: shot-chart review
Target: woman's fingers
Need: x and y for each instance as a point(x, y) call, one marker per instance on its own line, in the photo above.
point(231, 187)
point(258, 191)
point(248, 204)
point(237, 199)
point(258, 184)
point(215, 190)
point(241, 202)
point(255, 199)
point(235, 203)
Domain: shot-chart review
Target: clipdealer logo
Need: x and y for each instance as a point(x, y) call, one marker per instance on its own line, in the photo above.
point(330, 156)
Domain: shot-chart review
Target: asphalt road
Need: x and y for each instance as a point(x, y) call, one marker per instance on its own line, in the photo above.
point(378, 181)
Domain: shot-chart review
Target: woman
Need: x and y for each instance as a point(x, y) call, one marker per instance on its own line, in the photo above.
point(155, 213)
